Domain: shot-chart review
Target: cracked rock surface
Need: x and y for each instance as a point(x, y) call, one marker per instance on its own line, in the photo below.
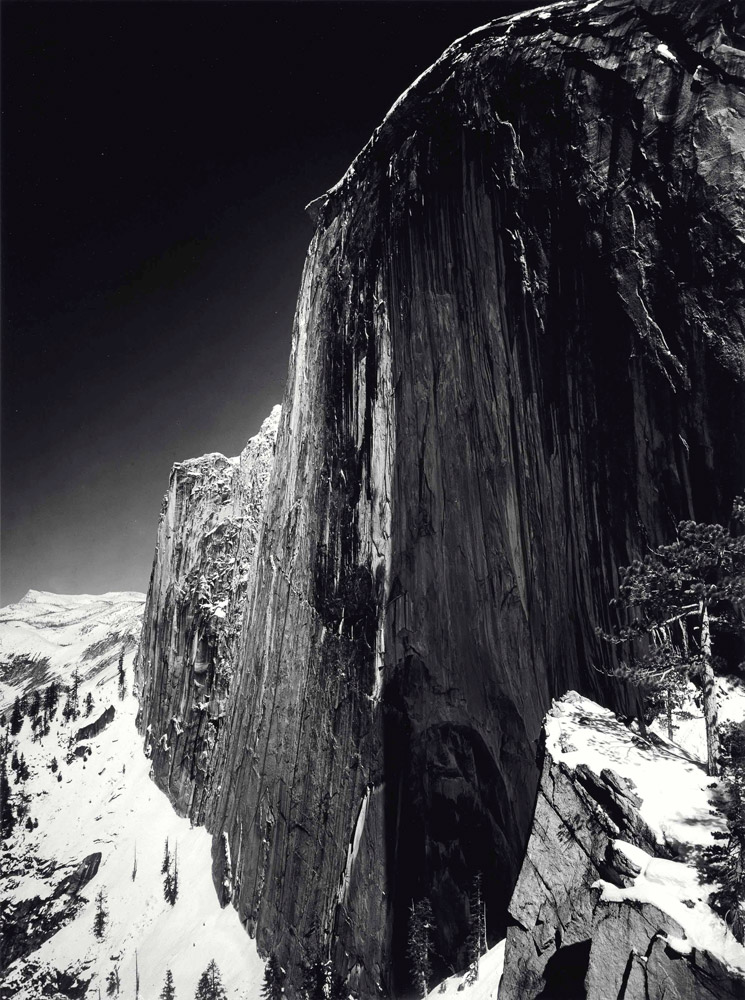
point(518, 358)
point(202, 574)
point(605, 907)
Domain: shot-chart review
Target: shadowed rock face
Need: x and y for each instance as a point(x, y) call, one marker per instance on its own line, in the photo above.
point(202, 573)
point(518, 357)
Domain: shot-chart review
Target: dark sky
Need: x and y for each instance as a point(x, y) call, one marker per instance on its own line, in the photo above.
point(156, 159)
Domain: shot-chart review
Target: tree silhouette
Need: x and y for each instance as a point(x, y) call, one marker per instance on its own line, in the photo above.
point(674, 597)
point(7, 819)
point(476, 940)
point(16, 718)
point(420, 945)
point(169, 990)
point(102, 915)
point(274, 977)
point(210, 985)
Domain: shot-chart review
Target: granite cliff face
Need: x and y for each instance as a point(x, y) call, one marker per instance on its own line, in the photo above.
point(518, 356)
point(201, 578)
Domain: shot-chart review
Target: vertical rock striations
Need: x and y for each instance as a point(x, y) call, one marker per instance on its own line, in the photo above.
point(518, 356)
point(202, 573)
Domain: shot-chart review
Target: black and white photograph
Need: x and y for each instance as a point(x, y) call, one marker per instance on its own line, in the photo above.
point(372, 594)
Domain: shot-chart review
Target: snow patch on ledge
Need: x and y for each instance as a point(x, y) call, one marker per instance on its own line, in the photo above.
point(674, 888)
point(676, 803)
point(673, 785)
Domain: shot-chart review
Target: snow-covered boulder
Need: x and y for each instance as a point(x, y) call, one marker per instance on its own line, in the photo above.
point(609, 902)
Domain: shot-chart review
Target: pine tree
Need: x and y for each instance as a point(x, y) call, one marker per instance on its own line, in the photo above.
point(34, 705)
point(122, 677)
point(113, 982)
point(16, 718)
point(210, 985)
point(22, 771)
point(74, 702)
point(170, 882)
point(174, 885)
point(420, 945)
point(102, 915)
point(134, 865)
point(675, 596)
point(476, 940)
point(51, 698)
point(274, 977)
point(725, 862)
point(316, 977)
point(7, 819)
point(166, 864)
point(169, 990)
point(88, 703)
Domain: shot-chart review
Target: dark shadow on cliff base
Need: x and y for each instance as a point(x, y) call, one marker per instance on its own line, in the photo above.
point(565, 973)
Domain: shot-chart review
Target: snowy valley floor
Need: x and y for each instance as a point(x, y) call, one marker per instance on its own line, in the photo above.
point(104, 801)
point(107, 803)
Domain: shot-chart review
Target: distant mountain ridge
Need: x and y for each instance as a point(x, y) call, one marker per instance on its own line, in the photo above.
point(42, 634)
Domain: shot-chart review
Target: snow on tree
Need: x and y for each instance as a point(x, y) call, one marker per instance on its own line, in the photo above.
point(675, 596)
point(316, 980)
point(420, 945)
point(88, 703)
point(274, 977)
point(210, 985)
point(102, 915)
point(169, 990)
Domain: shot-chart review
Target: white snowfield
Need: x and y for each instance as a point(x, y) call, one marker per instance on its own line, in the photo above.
point(107, 803)
point(53, 632)
point(677, 804)
point(486, 986)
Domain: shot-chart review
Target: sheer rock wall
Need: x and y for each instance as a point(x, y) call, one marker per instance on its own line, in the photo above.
point(518, 357)
point(202, 574)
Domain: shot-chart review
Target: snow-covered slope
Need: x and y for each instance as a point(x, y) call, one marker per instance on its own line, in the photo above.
point(102, 800)
point(486, 987)
point(44, 634)
point(613, 893)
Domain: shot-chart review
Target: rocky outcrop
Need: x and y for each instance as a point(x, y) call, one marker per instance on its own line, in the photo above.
point(600, 912)
point(26, 924)
point(97, 726)
point(518, 357)
point(202, 573)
